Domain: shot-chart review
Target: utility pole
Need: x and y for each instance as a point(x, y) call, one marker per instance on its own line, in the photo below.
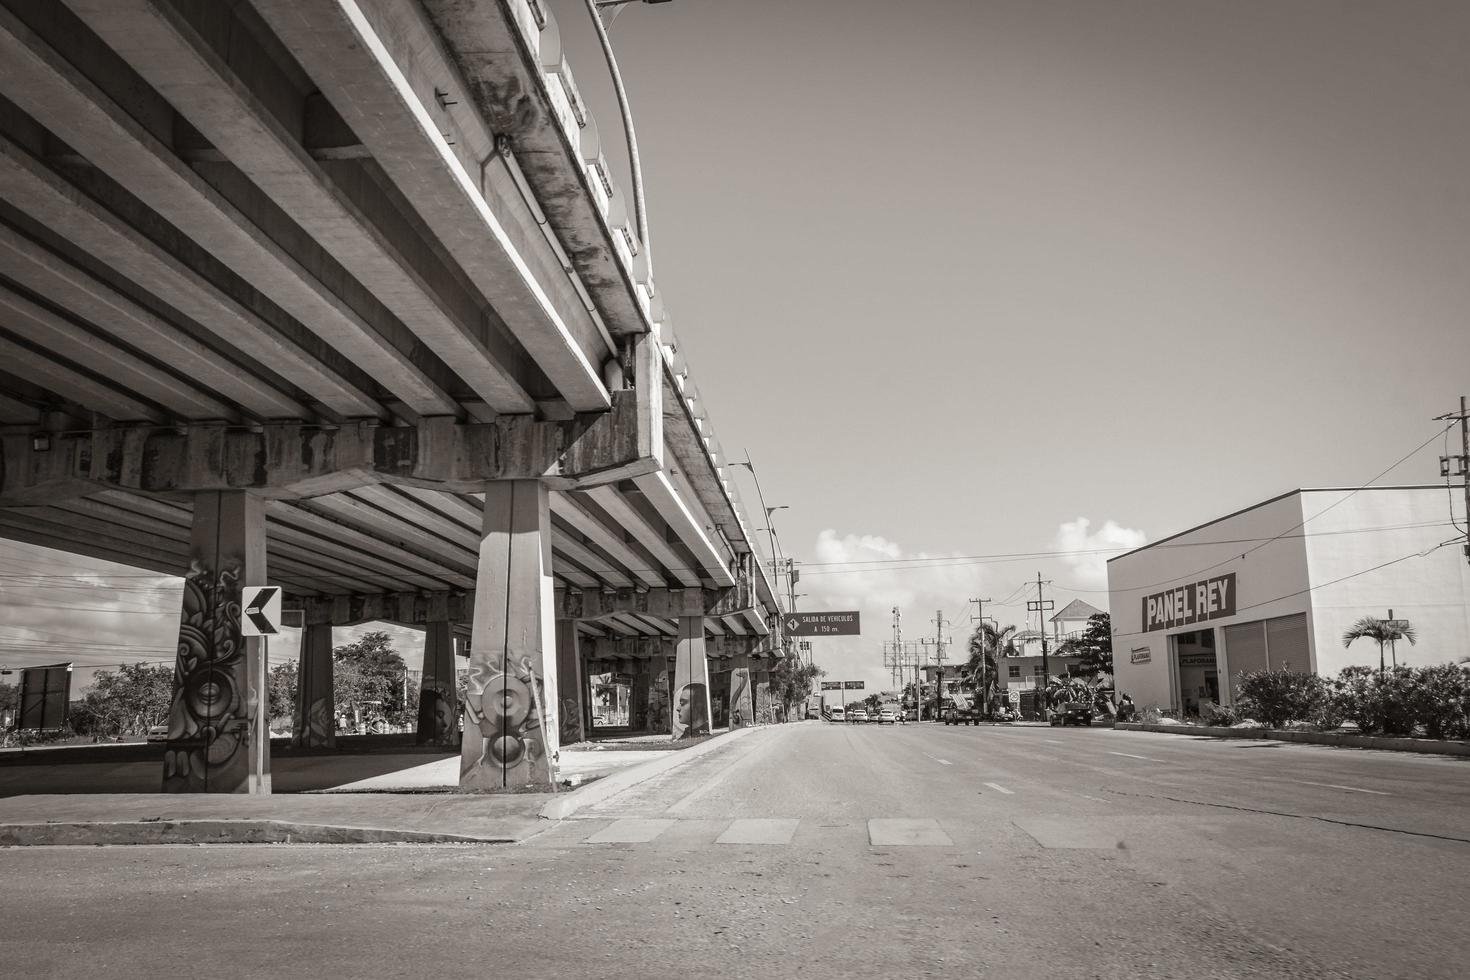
point(979, 617)
point(1461, 467)
point(1041, 606)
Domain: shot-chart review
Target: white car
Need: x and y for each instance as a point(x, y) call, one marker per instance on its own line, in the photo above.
point(887, 716)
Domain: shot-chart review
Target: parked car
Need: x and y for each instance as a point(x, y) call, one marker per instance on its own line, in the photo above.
point(158, 733)
point(836, 713)
point(1072, 713)
point(857, 714)
point(888, 715)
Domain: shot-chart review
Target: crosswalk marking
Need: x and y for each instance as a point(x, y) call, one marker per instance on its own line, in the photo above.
point(759, 830)
point(1000, 789)
point(907, 832)
point(634, 830)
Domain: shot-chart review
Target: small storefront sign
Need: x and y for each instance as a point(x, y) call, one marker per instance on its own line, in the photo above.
point(1140, 655)
point(1211, 598)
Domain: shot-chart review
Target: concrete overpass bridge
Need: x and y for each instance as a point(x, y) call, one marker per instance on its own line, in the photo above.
point(341, 296)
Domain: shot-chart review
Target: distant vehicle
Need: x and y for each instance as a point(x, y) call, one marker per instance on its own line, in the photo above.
point(955, 714)
point(158, 733)
point(857, 714)
point(910, 714)
point(1002, 713)
point(836, 713)
point(812, 711)
point(1072, 713)
point(888, 715)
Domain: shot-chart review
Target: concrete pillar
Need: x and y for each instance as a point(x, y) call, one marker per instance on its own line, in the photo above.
point(658, 696)
point(639, 696)
point(218, 736)
point(764, 711)
point(438, 701)
point(314, 721)
point(742, 709)
point(691, 712)
point(571, 683)
point(510, 733)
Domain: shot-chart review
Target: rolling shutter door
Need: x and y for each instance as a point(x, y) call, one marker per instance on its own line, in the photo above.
point(1245, 648)
point(1286, 643)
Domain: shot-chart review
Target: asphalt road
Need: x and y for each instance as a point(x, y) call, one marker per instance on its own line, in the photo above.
point(817, 850)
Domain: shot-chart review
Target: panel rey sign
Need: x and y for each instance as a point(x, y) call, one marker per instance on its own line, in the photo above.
point(1200, 602)
point(822, 624)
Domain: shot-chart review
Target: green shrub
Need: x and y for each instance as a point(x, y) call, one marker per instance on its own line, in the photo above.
point(1275, 697)
point(1218, 715)
point(1441, 698)
point(1389, 702)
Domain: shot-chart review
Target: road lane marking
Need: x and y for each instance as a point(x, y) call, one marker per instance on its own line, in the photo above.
point(1000, 789)
point(1054, 741)
point(1350, 789)
point(942, 762)
point(1095, 799)
point(1130, 755)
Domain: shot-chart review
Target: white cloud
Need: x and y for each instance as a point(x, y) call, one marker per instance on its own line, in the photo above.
point(859, 571)
point(1090, 550)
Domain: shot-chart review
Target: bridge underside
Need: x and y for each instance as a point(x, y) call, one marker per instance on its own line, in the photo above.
point(340, 297)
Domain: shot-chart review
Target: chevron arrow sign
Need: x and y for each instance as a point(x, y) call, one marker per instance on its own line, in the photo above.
point(260, 606)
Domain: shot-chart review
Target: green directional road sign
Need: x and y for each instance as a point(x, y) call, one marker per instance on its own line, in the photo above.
point(821, 624)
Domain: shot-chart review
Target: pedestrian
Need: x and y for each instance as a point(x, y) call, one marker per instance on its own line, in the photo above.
point(1126, 709)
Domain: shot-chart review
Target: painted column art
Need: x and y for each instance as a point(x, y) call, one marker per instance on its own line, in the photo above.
point(438, 721)
point(765, 709)
point(691, 712)
point(571, 682)
point(638, 697)
point(658, 701)
point(217, 733)
point(742, 713)
point(511, 730)
point(314, 721)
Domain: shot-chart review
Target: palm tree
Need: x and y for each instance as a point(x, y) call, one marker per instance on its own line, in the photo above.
point(986, 645)
point(1381, 631)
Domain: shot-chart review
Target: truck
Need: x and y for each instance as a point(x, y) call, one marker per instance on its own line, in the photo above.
point(960, 712)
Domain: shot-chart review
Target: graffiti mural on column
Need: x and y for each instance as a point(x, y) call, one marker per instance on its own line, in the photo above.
point(658, 702)
point(741, 713)
point(505, 712)
point(438, 712)
point(210, 716)
point(765, 710)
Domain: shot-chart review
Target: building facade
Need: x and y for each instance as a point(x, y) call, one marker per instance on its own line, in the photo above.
point(1277, 584)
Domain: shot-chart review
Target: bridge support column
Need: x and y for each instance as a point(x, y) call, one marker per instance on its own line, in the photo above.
point(657, 719)
point(571, 683)
point(691, 710)
point(742, 709)
point(638, 696)
point(314, 722)
point(510, 732)
point(438, 701)
point(761, 686)
point(218, 736)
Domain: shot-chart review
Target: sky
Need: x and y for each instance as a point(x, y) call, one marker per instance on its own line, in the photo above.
point(980, 278)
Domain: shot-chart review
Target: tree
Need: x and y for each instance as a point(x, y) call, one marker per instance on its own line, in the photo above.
point(1380, 631)
point(1096, 646)
point(792, 681)
point(369, 674)
point(874, 702)
point(127, 701)
point(987, 644)
point(282, 687)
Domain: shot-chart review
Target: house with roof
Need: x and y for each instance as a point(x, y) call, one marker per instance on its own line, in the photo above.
point(1072, 619)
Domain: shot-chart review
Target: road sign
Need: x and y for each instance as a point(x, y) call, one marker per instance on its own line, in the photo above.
point(1397, 624)
point(821, 624)
point(831, 685)
point(852, 685)
point(261, 607)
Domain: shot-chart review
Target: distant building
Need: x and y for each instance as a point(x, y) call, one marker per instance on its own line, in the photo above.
point(1277, 584)
point(1072, 620)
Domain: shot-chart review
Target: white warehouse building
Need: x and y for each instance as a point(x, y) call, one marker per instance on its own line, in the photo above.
point(1277, 584)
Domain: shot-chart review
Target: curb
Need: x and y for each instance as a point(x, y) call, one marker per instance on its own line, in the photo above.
point(102, 834)
point(566, 804)
point(1422, 746)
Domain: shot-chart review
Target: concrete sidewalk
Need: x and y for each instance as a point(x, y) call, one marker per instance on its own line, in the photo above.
point(413, 805)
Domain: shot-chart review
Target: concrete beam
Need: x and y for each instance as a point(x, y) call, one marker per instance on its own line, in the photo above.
point(287, 461)
point(163, 47)
point(648, 532)
point(408, 608)
point(351, 62)
point(691, 530)
point(507, 86)
point(662, 603)
point(721, 647)
point(58, 206)
point(48, 87)
point(93, 301)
